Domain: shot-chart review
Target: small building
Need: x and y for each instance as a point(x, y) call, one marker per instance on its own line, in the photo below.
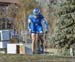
point(7, 29)
point(15, 48)
point(19, 48)
point(5, 36)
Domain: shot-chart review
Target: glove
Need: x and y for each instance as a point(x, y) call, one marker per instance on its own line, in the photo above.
point(46, 32)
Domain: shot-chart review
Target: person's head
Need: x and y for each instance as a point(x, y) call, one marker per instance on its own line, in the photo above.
point(36, 12)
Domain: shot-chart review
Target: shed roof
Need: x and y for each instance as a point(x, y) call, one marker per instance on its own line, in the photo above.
point(9, 1)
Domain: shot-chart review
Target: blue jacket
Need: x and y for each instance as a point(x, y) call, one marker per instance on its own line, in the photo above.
point(35, 24)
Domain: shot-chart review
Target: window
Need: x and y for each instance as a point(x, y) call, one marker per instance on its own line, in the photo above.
point(3, 25)
point(6, 24)
point(9, 26)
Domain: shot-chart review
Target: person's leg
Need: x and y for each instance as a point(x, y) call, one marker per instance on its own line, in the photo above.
point(42, 41)
point(38, 44)
point(41, 37)
point(33, 36)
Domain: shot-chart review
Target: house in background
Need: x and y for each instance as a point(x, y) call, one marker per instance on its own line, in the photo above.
point(6, 23)
point(7, 29)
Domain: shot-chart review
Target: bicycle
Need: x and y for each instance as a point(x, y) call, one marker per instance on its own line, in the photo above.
point(39, 46)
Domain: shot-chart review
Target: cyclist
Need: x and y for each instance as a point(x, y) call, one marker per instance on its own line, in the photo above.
point(35, 22)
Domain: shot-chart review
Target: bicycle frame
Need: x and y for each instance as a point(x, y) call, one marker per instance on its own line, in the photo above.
point(39, 45)
point(38, 49)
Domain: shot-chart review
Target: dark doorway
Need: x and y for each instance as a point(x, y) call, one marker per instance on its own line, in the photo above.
point(17, 49)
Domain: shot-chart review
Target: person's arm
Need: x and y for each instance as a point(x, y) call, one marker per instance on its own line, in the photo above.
point(29, 25)
point(45, 24)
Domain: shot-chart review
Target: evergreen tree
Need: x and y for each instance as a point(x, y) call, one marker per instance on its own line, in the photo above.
point(65, 23)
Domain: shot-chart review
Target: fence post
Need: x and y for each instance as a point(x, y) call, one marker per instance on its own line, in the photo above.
point(71, 51)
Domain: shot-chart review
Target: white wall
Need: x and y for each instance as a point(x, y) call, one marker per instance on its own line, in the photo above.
point(11, 48)
point(3, 44)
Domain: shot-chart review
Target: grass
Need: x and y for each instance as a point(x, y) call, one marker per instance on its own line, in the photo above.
point(24, 58)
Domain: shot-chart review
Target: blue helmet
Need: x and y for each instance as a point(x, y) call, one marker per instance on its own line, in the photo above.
point(36, 11)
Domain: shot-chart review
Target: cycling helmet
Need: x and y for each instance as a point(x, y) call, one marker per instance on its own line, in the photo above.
point(36, 11)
